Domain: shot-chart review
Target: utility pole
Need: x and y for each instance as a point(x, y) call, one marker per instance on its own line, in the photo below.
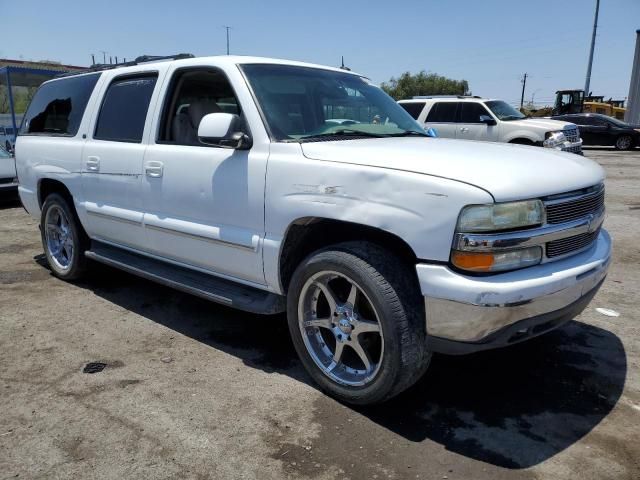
point(228, 28)
point(524, 84)
point(593, 46)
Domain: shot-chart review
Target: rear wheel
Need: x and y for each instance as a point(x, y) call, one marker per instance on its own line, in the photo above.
point(63, 238)
point(357, 322)
point(624, 142)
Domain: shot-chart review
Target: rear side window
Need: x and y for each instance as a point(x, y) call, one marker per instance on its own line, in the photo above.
point(124, 109)
point(470, 112)
point(443, 112)
point(57, 107)
point(414, 108)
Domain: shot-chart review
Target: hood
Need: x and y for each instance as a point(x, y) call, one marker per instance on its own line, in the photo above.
point(545, 124)
point(507, 172)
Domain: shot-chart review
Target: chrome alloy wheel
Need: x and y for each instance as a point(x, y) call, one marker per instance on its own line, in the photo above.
point(623, 142)
point(59, 237)
point(340, 328)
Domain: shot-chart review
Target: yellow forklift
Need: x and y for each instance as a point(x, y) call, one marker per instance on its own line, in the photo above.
point(575, 101)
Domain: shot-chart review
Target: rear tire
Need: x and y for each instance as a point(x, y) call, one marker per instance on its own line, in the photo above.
point(624, 142)
point(63, 238)
point(379, 330)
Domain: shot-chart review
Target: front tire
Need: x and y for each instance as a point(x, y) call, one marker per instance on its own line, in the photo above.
point(357, 322)
point(624, 142)
point(63, 238)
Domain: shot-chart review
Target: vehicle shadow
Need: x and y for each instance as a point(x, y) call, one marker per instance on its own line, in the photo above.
point(9, 199)
point(513, 408)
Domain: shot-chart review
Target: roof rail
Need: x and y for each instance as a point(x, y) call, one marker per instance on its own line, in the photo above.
point(418, 97)
point(99, 67)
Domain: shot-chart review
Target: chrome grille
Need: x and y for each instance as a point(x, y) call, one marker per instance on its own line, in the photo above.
point(559, 211)
point(572, 134)
point(575, 149)
point(567, 245)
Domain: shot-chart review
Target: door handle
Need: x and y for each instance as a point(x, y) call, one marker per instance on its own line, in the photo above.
point(464, 129)
point(153, 169)
point(93, 164)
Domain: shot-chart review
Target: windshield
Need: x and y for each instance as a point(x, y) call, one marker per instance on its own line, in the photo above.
point(302, 103)
point(504, 111)
point(4, 153)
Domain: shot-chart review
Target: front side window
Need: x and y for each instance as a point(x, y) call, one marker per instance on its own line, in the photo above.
point(302, 103)
point(443, 112)
point(470, 112)
point(504, 111)
point(124, 109)
point(193, 94)
point(58, 106)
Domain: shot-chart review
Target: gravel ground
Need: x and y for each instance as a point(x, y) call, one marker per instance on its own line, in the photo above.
point(196, 390)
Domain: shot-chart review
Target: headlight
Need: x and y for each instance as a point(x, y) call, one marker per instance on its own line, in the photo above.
point(501, 216)
point(496, 261)
point(554, 139)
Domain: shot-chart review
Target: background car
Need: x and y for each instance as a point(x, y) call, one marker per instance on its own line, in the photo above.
point(8, 178)
point(598, 129)
point(476, 118)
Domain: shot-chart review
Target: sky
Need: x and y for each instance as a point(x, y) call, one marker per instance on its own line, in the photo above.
point(490, 43)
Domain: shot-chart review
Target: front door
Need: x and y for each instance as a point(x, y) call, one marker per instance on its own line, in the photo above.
point(112, 162)
point(470, 126)
point(204, 205)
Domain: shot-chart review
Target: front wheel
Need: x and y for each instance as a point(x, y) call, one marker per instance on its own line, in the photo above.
point(624, 142)
point(63, 238)
point(357, 322)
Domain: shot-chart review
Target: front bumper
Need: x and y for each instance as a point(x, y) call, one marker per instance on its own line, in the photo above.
point(470, 313)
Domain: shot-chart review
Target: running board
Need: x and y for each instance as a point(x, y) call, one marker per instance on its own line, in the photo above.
point(190, 281)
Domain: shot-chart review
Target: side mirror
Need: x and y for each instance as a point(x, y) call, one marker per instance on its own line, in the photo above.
point(223, 130)
point(432, 132)
point(487, 120)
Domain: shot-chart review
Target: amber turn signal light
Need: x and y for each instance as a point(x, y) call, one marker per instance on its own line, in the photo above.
point(475, 262)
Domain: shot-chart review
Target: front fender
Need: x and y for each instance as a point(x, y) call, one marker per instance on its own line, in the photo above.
point(420, 209)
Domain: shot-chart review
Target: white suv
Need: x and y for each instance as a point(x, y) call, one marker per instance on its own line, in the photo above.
point(476, 118)
point(274, 186)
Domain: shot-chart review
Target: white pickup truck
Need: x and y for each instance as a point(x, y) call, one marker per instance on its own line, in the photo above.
point(465, 117)
point(273, 186)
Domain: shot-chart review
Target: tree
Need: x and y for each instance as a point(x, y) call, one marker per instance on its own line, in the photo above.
point(423, 83)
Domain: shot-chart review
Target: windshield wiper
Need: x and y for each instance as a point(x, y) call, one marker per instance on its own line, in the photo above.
point(408, 133)
point(342, 132)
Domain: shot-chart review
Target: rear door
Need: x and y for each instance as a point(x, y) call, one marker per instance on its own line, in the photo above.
point(442, 117)
point(470, 126)
point(112, 159)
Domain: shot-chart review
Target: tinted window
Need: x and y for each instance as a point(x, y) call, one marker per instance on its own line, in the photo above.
point(470, 112)
point(124, 109)
point(414, 108)
point(443, 112)
point(58, 106)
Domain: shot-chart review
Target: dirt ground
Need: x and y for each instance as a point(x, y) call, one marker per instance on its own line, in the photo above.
point(196, 390)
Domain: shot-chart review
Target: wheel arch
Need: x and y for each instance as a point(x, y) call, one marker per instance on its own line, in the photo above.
point(308, 234)
point(522, 141)
point(47, 186)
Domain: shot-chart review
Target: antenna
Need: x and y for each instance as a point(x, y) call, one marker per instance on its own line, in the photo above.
point(342, 66)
